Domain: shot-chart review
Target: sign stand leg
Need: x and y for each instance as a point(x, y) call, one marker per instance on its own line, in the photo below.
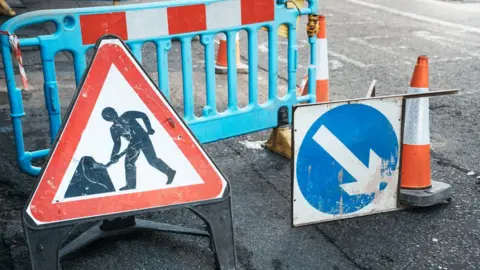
point(121, 226)
point(43, 246)
point(218, 217)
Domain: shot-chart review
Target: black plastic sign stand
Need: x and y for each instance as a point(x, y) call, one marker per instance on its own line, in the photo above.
point(44, 243)
point(45, 239)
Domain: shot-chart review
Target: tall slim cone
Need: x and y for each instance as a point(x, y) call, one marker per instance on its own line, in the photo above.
point(322, 75)
point(416, 139)
point(417, 187)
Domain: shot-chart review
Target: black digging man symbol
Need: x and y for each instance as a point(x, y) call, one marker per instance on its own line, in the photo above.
point(92, 177)
point(126, 126)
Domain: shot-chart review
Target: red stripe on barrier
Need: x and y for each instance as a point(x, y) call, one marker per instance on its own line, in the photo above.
point(255, 11)
point(186, 19)
point(96, 25)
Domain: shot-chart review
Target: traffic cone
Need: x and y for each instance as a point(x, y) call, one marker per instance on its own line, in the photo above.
point(417, 187)
point(221, 66)
point(321, 51)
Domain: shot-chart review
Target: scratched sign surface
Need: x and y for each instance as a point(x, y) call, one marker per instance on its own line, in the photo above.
point(122, 149)
point(346, 159)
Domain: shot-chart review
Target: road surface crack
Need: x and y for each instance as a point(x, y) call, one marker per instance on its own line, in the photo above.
point(445, 162)
point(331, 241)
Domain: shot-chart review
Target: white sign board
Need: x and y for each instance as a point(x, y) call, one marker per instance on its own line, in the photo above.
point(346, 159)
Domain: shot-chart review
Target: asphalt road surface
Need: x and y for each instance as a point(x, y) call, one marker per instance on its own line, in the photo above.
point(368, 39)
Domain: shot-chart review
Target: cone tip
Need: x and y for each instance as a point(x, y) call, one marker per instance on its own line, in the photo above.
point(420, 74)
point(422, 60)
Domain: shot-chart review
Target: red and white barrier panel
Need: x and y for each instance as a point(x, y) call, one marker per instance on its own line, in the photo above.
point(137, 24)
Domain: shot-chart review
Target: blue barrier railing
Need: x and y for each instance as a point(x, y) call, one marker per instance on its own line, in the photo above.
point(74, 33)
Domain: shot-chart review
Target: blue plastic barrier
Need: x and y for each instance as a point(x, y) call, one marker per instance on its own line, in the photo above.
point(212, 125)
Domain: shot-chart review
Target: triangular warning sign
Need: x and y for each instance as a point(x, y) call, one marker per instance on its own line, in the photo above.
point(122, 148)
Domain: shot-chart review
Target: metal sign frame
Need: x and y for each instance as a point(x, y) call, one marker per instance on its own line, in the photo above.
point(44, 241)
point(370, 96)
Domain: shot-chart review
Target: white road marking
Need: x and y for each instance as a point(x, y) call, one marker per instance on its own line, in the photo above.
point(356, 14)
point(263, 48)
point(416, 16)
point(468, 7)
point(335, 64)
point(376, 47)
point(348, 59)
point(349, 23)
point(451, 40)
point(454, 59)
point(445, 42)
point(374, 37)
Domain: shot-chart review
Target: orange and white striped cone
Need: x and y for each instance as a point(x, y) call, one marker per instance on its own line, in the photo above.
point(417, 187)
point(221, 66)
point(322, 75)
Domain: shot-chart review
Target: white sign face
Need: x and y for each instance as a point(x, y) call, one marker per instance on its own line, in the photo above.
point(346, 159)
point(122, 148)
point(118, 93)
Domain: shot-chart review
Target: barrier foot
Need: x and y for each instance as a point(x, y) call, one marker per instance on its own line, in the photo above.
point(438, 193)
point(121, 226)
point(218, 217)
point(241, 68)
point(280, 142)
point(45, 256)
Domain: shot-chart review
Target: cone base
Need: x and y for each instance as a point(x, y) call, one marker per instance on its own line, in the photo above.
point(241, 68)
point(280, 142)
point(438, 193)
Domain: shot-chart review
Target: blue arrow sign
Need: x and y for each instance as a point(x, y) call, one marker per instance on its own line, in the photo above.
point(345, 158)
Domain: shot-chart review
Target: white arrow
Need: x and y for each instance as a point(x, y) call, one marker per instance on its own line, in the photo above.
point(367, 178)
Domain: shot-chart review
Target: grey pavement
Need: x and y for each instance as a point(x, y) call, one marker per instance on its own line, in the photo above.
point(368, 39)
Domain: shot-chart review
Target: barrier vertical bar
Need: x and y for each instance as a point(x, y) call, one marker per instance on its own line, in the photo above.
point(253, 66)
point(79, 65)
point(272, 62)
point(292, 59)
point(51, 95)
point(209, 51)
point(162, 66)
point(232, 70)
point(187, 78)
point(15, 97)
point(136, 48)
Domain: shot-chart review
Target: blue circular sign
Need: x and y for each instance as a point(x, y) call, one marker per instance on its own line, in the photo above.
point(360, 128)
